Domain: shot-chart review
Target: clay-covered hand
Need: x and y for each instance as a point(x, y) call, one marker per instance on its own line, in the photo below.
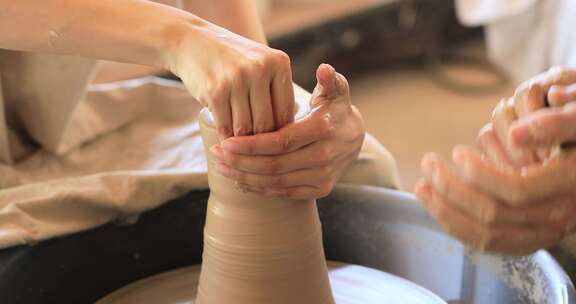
point(246, 85)
point(304, 159)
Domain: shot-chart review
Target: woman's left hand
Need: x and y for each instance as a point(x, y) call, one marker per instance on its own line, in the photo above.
point(304, 159)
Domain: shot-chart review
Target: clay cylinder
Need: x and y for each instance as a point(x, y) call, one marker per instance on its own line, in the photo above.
point(257, 249)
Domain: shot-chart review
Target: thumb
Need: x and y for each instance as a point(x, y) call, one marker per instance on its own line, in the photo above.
point(331, 85)
point(326, 77)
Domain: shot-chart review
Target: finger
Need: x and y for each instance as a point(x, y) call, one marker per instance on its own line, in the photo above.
point(556, 214)
point(261, 107)
point(502, 118)
point(283, 94)
point(529, 100)
point(489, 143)
point(560, 76)
point(314, 127)
point(297, 193)
point(561, 95)
point(483, 208)
point(315, 155)
point(554, 76)
point(422, 189)
point(304, 177)
point(518, 187)
point(509, 239)
point(240, 106)
point(222, 113)
point(545, 128)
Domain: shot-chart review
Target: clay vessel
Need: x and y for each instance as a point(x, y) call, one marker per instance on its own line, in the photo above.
point(259, 250)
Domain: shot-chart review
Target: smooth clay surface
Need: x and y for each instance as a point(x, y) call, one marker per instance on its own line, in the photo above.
point(257, 249)
point(351, 284)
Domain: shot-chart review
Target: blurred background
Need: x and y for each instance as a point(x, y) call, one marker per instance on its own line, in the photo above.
point(421, 80)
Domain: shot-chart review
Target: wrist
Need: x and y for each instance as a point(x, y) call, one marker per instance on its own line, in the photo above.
point(175, 35)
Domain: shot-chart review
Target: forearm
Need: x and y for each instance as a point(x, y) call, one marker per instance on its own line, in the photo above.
point(135, 31)
point(244, 21)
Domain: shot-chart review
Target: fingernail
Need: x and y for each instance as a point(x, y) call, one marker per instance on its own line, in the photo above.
point(217, 151)
point(230, 145)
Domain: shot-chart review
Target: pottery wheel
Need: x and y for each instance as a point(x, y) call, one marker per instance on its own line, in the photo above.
point(351, 284)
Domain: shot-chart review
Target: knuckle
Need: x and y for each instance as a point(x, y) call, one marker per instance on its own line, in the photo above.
point(217, 93)
point(282, 57)
point(238, 74)
point(257, 68)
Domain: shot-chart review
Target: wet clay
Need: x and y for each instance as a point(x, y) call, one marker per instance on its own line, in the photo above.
point(351, 284)
point(257, 249)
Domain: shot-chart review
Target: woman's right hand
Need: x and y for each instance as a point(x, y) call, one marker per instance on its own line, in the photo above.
point(246, 85)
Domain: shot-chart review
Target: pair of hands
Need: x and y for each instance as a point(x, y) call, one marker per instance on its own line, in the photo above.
point(248, 88)
point(516, 191)
point(304, 159)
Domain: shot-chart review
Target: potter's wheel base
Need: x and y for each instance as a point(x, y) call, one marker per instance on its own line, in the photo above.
point(351, 284)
